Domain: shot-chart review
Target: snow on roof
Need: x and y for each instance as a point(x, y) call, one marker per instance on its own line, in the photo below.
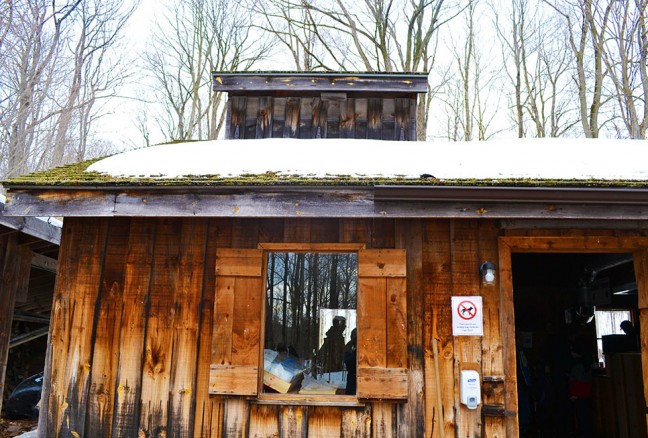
point(499, 159)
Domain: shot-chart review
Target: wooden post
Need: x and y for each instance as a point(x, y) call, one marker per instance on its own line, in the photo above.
point(12, 260)
point(641, 275)
point(492, 359)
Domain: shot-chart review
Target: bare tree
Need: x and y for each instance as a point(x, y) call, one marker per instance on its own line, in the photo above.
point(587, 70)
point(468, 93)
point(31, 47)
point(54, 67)
point(540, 65)
point(99, 23)
point(371, 35)
point(6, 17)
point(295, 29)
point(514, 38)
point(197, 38)
point(620, 34)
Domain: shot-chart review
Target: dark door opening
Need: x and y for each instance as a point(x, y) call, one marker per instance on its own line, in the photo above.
point(578, 373)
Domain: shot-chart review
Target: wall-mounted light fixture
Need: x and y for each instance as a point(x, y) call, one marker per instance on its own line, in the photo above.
point(487, 272)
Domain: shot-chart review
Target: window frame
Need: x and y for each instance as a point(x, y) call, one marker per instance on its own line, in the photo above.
point(301, 399)
point(241, 278)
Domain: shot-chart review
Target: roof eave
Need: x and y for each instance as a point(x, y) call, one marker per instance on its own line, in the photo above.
point(579, 195)
point(332, 202)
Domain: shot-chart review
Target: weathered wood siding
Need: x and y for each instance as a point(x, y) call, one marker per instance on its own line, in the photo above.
point(133, 323)
point(328, 116)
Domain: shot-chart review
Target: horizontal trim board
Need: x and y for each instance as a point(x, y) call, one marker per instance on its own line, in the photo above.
point(295, 204)
point(34, 227)
point(321, 82)
point(512, 194)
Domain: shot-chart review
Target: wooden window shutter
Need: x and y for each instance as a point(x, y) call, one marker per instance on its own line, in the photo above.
point(237, 322)
point(382, 324)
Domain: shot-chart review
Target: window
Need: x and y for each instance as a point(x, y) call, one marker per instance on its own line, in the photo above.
point(310, 342)
point(608, 322)
point(241, 339)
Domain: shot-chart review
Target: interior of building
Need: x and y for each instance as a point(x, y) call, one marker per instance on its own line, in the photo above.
point(579, 373)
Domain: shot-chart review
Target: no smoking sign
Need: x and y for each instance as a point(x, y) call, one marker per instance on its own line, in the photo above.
point(467, 316)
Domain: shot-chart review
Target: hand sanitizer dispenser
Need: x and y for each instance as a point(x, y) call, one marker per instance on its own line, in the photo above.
point(470, 389)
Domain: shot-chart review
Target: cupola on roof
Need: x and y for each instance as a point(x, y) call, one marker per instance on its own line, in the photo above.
point(378, 106)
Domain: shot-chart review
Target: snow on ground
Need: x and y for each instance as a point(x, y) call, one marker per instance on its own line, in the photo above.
point(498, 159)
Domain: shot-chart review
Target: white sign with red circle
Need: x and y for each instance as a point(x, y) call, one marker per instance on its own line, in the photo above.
point(467, 316)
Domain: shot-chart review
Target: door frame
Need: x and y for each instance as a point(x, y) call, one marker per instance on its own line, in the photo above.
point(637, 246)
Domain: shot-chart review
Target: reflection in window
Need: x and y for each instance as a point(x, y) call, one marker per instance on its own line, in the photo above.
point(310, 323)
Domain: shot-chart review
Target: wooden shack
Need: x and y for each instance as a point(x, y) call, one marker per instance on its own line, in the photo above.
point(160, 316)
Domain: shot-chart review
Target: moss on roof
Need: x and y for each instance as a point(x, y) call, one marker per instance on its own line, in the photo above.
point(75, 175)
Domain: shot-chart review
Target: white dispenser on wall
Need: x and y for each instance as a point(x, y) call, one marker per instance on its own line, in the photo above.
point(470, 389)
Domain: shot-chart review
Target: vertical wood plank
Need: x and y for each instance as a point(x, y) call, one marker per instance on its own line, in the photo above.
point(507, 317)
point(388, 120)
point(325, 231)
point(641, 276)
point(246, 332)
point(224, 310)
point(382, 422)
point(137, 277)
point(414, 120)
point(465, 281)
point(397, 324)
point(355, 231)
point(271, 230)
point(228, 120)
point(278, 116)
point(245, 233)
point(324, 421)
point(383, 233)
point(297, 230)
point(411, 415)
point(238, 105)
point(347, 118)
point(188, 295)
point(372, 344)
point(293, 421)
point(333, 117)
point(374, 118)
point(492, 360)
point(319, 111)
point(403, 123)
point(251, 114)
point(73, 314)
point(292, 119)
point(161, 318)
point(264, 118)
point(306, 117)
point(264, 421)
point(356, 422)
point(105, 359)
point(440, 419)
point(235, 418)
point(8, 258)
point(361, 117)
point(22, 273)
point(209, 410)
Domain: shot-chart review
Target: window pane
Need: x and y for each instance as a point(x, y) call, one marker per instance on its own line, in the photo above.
point(310, 323)
point(608, 322)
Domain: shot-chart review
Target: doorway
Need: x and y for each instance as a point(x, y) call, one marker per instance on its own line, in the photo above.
point(521, 262)
point(578, 374)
